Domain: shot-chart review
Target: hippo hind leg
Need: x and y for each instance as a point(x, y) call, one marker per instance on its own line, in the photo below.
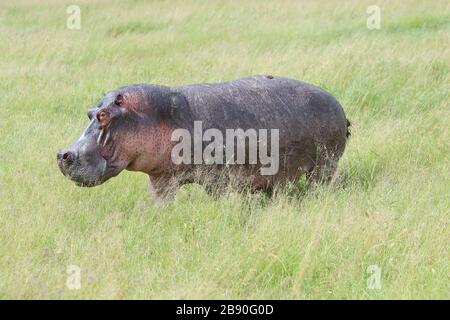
point(323, 172)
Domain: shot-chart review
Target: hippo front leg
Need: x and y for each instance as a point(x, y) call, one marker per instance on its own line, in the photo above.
point(162, 188)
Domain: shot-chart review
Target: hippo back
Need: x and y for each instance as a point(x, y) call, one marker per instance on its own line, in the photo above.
point(302, 112)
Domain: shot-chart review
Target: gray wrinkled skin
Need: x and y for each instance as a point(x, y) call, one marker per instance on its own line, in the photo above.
point(312, 126)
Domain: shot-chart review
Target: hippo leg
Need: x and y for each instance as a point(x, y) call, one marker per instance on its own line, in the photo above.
point(215, 182)
point(323, 172)
point(162, 188)
point(215, 191)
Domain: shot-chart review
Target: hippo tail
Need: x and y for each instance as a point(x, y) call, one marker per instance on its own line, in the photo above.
point(348, 133)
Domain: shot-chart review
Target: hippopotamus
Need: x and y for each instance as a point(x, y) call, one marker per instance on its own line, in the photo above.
point(137, 127)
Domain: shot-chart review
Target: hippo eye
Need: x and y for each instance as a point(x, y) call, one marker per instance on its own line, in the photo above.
point(101, 116)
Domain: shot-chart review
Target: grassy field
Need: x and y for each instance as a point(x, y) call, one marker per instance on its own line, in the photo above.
point(389, 208)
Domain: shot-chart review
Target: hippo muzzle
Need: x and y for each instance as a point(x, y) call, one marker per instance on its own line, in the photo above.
point(82, 162)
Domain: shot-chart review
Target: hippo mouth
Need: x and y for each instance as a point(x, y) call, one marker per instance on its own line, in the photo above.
point(88, 176)
point(82, 175)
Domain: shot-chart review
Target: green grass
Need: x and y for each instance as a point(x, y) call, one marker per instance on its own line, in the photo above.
point(389, 207)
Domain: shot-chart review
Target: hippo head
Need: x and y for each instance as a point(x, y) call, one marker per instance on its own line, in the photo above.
point(129, 128)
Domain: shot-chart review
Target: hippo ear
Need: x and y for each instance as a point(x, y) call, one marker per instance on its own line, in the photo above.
point(179, 111)
point(178, 104)
point(119, 100)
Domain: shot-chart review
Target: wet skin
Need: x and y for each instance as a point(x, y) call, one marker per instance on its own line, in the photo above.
point(131, 128)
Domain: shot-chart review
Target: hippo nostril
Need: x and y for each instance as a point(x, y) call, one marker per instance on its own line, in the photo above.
point(67, 157)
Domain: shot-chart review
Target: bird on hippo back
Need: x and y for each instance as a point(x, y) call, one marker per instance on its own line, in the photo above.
point(137, 128)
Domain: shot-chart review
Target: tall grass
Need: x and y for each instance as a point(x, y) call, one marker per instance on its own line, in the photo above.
point(389, 206)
